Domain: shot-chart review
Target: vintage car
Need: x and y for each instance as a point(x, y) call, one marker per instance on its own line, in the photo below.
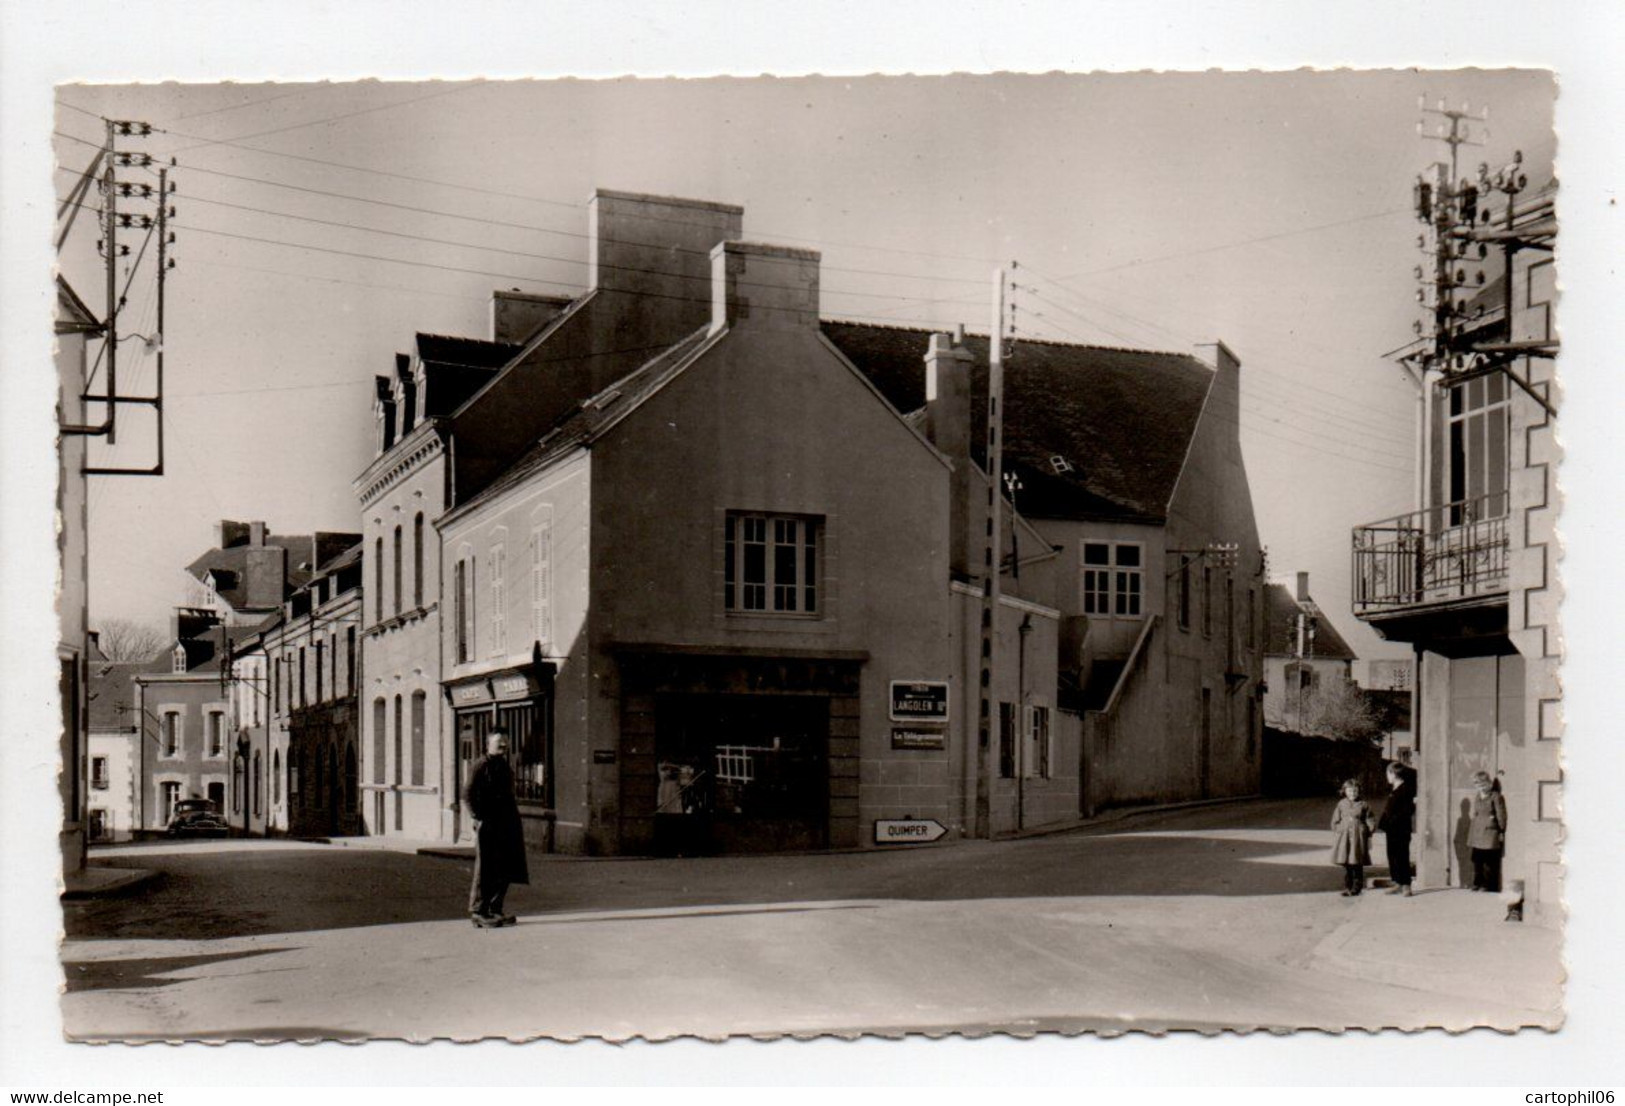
point(197, 818)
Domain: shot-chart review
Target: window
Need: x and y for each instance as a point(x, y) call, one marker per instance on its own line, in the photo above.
point(276, 683)
point(417, 560)
point(168, 795)
point(1113, 579)
point(1207, 600)
point(349, 660)
point(217, 733)
point(1479, 430)
point(319, 668)
point(397, 774)
point(465, 609)
point(303, 695)
point(378, 741)
point(770, 564)
point(98, 773)
point(257, 783)
point(1007, 741)
point(541, 580)
point(172, 736)
point(1252, 616)
point(237, 784)
point(1038, 744)
point(420, 704)
point(276, 776)
point(177, 660)
point(397, 570)
point(99, 825)
point(378, 580)
point(1184, 592)
point(498, 561)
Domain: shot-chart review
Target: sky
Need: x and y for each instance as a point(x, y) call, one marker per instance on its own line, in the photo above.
point(319, 226)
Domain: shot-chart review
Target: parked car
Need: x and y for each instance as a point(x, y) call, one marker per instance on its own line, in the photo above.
point(197, 818)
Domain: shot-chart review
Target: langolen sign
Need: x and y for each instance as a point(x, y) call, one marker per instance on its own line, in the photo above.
point(919, 700)
point(907, 831)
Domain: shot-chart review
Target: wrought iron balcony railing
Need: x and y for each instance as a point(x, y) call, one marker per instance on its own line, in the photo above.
point(1442, 554)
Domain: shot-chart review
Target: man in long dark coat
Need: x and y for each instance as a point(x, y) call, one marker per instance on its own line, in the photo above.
point(1398, 819)
point(499, 841)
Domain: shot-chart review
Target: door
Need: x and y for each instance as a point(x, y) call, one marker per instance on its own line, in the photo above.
point(1206, 753)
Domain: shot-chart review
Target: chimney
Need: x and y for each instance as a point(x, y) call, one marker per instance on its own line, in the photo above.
point(948, 426)
point(232, 534)
point(516, 315)
point(757, 285)
point(1303, 587)
point(256, 533)
point(658, 245)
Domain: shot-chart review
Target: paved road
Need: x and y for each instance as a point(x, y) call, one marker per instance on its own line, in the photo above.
point(1202, 918)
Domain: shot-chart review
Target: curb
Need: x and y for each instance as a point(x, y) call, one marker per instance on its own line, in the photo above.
point(1121, 814)
point(127, 880)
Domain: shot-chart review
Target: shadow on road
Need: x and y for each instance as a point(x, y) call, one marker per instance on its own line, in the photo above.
point(1240, 849)
point(141, 972)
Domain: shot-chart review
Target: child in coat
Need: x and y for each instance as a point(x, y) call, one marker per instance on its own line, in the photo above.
point(1352, 823)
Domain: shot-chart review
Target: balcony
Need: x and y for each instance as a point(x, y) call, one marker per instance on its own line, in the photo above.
point(1449, 559)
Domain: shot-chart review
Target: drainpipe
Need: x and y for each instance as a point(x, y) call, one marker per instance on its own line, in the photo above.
point(1023, 723)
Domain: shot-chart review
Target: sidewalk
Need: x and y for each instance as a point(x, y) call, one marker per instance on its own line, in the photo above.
point(98, 881)
point(1449, 942)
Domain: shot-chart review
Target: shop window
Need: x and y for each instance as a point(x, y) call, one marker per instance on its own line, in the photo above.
point(98, 773)
point(1007, 741)
point(1113, 579)
point(770, 564)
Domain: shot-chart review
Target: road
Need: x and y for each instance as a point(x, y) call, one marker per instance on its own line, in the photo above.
point(1205, 918)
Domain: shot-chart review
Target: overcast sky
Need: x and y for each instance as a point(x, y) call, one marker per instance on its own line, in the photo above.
point(1156, 211)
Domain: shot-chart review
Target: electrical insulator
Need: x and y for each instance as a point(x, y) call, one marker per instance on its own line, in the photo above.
point(171, 264)
point(124, 251)
point(171, 212)
point(126, 189)
point(124, 220)
point(171, 238)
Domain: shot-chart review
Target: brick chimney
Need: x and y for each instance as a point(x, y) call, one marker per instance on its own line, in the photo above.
point(256, 533)
point(1303, 587)
point(757, 285)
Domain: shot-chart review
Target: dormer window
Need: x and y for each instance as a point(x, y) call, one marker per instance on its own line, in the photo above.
point(178, 659)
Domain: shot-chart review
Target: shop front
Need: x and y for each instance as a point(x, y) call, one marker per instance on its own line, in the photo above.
point(734, 754)
point(519, 701)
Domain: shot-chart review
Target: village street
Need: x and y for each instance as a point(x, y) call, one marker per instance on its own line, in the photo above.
point(1213, 916)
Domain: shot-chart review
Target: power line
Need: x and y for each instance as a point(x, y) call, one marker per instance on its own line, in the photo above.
point(337, 280)
point(337, 118)
point(248, 104)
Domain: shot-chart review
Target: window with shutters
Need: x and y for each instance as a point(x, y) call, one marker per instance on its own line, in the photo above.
point(541, 580)
point(497, 559)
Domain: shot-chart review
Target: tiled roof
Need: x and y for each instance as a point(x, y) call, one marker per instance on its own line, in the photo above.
point(1120, 421)
point(1281, 609)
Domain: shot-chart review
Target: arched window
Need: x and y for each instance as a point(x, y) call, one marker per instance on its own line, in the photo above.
point(417, 560)
point(420, 705)
point(378, 579)
point(397, 570)
point(397, 750)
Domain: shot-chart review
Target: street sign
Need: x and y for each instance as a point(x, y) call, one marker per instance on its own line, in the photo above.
point(919, 700)
point(907, 831)
point(918, 739)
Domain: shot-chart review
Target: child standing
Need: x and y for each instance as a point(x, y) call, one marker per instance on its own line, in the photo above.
point(1351, 843)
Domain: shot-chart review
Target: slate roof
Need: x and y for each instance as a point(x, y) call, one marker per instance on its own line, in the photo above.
point(230, 564)
point(111, 693)
point(448, 349)
point(1281, 609)
point(595, 414)
point(1121, 419)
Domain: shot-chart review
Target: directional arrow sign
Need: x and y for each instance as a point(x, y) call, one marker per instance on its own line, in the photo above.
point(907, 831)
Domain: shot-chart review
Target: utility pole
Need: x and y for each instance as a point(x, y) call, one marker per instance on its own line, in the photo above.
point(991, 558)
point(110, 317)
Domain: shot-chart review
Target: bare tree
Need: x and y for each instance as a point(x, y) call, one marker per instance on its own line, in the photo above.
point(1340, 709)
point(124, 639)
